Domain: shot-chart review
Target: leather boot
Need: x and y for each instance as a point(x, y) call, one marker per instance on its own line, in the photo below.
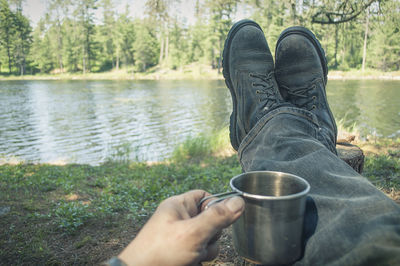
point(301, 72)
point(248, 71)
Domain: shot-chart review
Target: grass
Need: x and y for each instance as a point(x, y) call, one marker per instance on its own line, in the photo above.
point(82, 214)
point(60, 214)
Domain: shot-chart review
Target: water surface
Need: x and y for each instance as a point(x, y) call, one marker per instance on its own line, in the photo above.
point(90, 121)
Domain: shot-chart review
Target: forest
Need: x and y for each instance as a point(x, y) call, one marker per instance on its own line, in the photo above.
point(71, 38)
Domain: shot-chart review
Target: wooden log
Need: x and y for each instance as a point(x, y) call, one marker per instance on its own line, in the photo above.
point(351, 154)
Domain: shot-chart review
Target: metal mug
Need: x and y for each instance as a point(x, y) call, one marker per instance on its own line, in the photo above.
point(270, 230)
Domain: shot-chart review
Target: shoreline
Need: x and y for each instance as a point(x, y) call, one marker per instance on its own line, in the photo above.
point(198, 73)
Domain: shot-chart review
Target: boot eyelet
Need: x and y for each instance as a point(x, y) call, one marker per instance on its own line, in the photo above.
point(257, 91)
point(314, 97)
point(313, 107)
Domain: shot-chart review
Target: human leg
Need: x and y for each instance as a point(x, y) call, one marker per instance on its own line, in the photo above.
point(348, 221)
point(354, 222)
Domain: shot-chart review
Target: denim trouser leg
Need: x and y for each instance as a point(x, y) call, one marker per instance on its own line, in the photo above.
point(348, 221)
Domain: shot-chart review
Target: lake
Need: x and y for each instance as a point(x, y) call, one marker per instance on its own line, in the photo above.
point(90, 121)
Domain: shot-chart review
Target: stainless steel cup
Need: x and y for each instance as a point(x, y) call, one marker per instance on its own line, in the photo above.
point(270, 230)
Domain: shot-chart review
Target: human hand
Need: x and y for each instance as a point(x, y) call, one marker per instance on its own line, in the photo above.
point(179, 234)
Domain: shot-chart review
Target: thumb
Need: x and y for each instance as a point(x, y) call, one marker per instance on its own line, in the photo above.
point(217, 217)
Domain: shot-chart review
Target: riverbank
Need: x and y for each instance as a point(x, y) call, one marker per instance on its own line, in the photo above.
point(82, 214)
point(190, 72)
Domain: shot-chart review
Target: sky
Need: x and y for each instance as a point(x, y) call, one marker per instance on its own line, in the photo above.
point(35, 9)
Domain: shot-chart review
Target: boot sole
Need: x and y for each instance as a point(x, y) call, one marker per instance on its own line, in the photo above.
point(321, 53)
point(225, 64)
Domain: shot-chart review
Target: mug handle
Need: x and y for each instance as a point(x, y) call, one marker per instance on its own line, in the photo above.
point(220, 197)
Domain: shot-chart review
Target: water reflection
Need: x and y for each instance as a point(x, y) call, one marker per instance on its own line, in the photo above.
point(86, 121)
point(372, 105)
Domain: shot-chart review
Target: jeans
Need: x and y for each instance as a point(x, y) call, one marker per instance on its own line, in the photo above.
point(348, 221)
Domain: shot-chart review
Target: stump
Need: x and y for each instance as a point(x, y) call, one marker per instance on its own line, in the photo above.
point(351, 154)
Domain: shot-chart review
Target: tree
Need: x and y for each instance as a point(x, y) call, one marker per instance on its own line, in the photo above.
point(126, 36)
point(72, 44)
point(384, 48)
point(57, 11)
point(178, 55)
point(365, 40)
point(7, 30)
point(145, 46)
point(221, 12)
point(41, 54)
point(23, 40)
point(107, 36)
point(85, 15)
point(159, 13)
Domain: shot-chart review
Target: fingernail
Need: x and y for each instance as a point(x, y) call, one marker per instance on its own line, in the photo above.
point(235, 204)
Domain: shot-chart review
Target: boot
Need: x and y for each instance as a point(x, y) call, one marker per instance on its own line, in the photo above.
point(301, 72)
point(248, 69)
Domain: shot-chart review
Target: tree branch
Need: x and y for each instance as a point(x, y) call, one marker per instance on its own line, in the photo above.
point(331, 17)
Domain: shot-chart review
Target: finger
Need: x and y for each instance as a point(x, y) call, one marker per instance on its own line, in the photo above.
point(215, 237)
point(192, 200)
point(183, 206)
point(212, 251)
point(217, 217)
point(204, 204)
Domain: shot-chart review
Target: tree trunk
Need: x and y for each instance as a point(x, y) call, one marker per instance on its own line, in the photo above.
point(365, 41)
point(293, 10)
point(352, 155)
point(117, 61)
point(336, 43)
point(88, 52)
point(83, 59)
point(166, 45)
point(9, 59)
point(220, 56)
point(59, 44)
point(161, 50)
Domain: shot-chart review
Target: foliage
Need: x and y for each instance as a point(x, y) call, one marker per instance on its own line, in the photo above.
point(15, 36)
point(71, 215)
point(145, 47)
point(67, 38)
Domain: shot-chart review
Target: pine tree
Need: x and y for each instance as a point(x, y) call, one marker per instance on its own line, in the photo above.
point(86, 28)
point(23, 40)
point(7, 31)
point(221, 12)
point(145, 46)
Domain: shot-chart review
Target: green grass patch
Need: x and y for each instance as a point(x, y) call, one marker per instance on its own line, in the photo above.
point(382, 165)
point(199, 147)
point(60, 214)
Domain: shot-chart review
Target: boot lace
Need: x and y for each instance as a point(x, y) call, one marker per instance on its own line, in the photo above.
point(266, 88)
point(304, 97)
